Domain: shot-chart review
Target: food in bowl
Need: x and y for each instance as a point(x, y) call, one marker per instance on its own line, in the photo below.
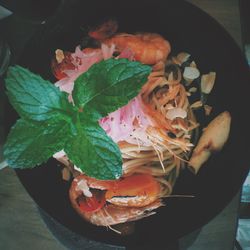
point(120, 120)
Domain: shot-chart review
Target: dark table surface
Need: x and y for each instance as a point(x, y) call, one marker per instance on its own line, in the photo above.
point(21, 226)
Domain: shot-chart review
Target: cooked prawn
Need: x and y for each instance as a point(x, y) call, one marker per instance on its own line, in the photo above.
point(148, 48)
point(136, 190)
point(127, 199)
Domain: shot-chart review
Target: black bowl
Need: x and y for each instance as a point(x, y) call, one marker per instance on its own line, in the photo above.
point(188, 29)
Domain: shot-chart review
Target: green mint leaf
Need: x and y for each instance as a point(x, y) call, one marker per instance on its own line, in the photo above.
point(35, 98)
point(30, 144)
point(50, 123)
point(109, 85)
point(94, 152)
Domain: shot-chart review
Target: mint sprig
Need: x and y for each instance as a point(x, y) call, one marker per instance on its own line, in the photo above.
point(49, 123)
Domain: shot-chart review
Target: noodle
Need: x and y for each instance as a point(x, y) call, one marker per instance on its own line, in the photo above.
point(164, 158)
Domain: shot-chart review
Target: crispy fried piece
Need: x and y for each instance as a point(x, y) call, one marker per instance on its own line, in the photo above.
point(213, 139)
